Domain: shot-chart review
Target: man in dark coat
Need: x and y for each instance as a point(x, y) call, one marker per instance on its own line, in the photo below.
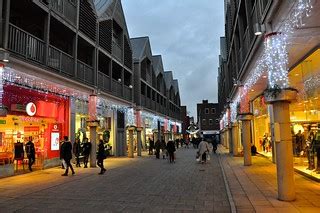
point(66, 155)
point(157, 146)
point(31, 153)
point(171, 149)
point(76, 151)
point(101, 156)
point(86, 152)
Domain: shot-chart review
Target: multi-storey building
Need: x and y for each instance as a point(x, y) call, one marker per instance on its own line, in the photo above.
point(156, 97)
point(270, 52)
point(66, 69)
point(184, 117)
point(208, 115)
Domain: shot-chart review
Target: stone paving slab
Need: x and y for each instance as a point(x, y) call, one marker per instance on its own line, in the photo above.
point(254, 188)
point(143, 184)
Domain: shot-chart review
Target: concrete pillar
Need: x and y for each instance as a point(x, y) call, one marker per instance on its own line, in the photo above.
point(283, 143)
point(130, 145)
point(246, 137)
point(155, 136)
point(229, 136)
point(139, 142)
point(235, 139)
point(93, 140)
point(166, 137)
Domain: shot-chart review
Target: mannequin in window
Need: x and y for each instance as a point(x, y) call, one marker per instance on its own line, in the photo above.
point(299, 142)
point(309, 149)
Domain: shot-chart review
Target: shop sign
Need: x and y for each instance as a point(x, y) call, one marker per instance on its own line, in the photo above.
point(31, 109)
point(3, 121)
point(29, 119)
point(55, 141)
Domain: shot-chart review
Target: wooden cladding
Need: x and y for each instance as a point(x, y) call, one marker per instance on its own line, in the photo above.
point(87, 20)
point(105, 35)
point(127, 53)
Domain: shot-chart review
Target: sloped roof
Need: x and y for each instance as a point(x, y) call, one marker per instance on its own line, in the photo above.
point(176, 86)
point(157, 64)
point(110, 9)
point(140, 47)
point(168, 78)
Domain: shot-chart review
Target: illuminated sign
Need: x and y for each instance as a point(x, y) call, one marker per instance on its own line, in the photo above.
point(55, 141)
point(31, 109)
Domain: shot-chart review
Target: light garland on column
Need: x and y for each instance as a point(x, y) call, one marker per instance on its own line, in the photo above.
point(1, 85)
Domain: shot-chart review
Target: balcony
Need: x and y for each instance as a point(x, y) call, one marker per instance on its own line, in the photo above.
point(85, 73)
point(116, 88)
point(104, 82)
point(127, 93)
point(117, 51)
point(60, 61)
point(25, 44)
point(66, 9)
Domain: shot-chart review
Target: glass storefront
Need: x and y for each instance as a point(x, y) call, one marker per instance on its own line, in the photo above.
point(41, 117)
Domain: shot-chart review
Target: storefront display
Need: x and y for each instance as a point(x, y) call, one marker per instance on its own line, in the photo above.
point(31, 114)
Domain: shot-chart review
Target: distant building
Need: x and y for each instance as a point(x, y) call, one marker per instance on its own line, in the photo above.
point(208, 118)
point(185, 121)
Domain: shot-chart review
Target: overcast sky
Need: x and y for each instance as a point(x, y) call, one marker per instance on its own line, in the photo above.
point(187, 35)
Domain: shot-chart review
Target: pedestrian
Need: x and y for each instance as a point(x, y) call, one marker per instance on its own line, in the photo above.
point(101, 156)
point(171, 149)
point(163, 146)
point(151, 145)
point(66, 154)
point(214, 145)
point(157, 146)
point(31, 153)
point(76, 151)
point(86, 152)
point(203, 150)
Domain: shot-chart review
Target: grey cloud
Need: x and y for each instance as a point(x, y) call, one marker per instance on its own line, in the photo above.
point(186, 33)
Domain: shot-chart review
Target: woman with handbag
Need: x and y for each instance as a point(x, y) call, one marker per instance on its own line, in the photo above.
point(203, 150)
point(101, 155)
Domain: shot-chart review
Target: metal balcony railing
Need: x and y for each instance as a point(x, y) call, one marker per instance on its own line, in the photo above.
point(60, 61)
point(67, 9)
point(116, 88)
point(127, 91)
point(85, 72)
point(25, 44)
point(104, 82)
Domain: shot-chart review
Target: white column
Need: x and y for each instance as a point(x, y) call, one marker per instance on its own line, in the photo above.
point(246, 137)
point(130, 145)
point(283, 143)
point(235, 139)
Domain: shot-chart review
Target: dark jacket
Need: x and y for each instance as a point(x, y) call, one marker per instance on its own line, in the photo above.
point(171, 147)
point(86, 148)
point(157, 145)
point(76, 148)
point(30, 150)
point(66, 150)
point(101, 152)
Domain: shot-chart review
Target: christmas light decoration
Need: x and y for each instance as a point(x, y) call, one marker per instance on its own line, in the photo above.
point(274, 58)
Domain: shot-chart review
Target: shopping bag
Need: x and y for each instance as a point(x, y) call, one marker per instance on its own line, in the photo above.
point(208, 157)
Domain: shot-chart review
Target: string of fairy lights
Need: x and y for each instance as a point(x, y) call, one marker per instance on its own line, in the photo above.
point(274, 59)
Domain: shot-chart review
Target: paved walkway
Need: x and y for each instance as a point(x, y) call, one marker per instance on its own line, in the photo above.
point(141, 184)
point(254, 188)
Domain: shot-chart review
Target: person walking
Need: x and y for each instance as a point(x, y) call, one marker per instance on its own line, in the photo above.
point(86, 152)
point(157, 146)
point(76, 151)
point(31, 153)
point(101, 156)
point(171, 149)
point(66, 155)
point(203, 150)
point(151, 145)
point(163, 146)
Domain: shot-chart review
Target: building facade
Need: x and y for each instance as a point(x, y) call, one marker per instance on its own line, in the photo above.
point(268, 85)
point(208, 115)
point(66, 69)
point(156, 97)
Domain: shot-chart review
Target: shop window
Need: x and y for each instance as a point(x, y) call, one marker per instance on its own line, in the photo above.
point(207, 110)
